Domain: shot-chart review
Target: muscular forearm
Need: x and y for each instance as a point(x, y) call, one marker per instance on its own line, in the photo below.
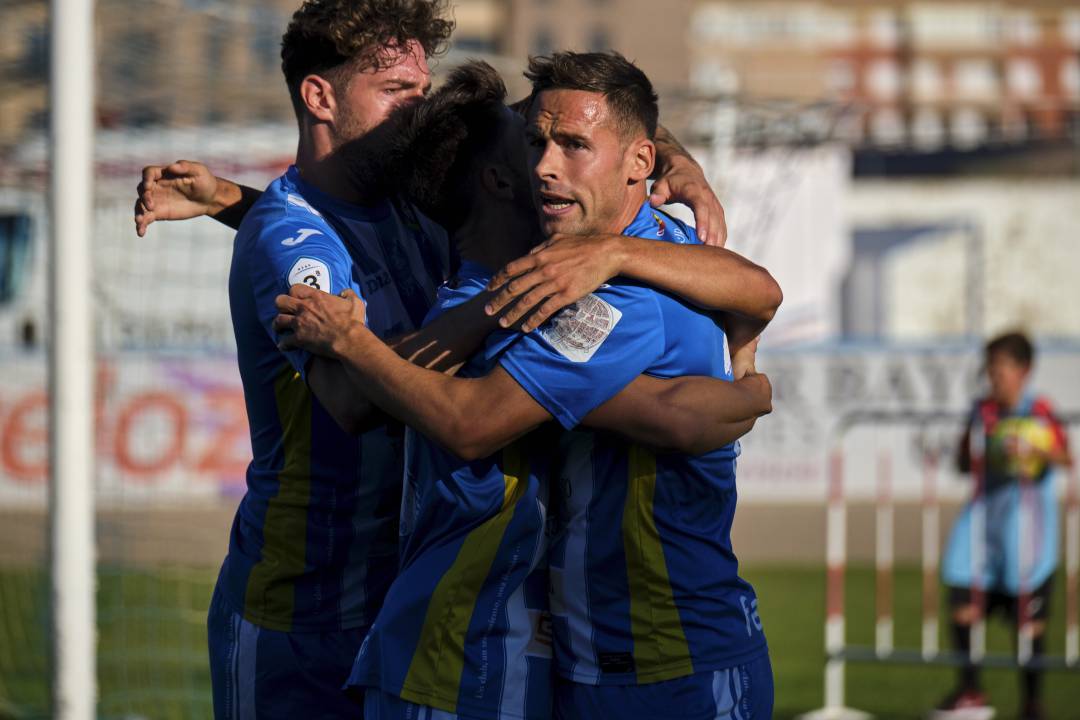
point(470, 417)
point(426, 400)
point(693, 415)
point(709, 277)
point(232, 202)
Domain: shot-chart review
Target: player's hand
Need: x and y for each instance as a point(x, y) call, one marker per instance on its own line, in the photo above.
point(179, 191)
point(683, 181)
point(318, 322)
point(556, 273)
point(744, 360)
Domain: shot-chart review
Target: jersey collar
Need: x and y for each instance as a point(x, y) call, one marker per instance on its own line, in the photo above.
point(324, 202)
point(649, 224)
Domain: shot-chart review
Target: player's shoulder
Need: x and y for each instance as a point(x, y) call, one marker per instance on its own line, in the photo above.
point(283, 217)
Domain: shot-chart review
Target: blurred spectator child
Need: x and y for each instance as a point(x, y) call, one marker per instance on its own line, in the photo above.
point(1012, 446)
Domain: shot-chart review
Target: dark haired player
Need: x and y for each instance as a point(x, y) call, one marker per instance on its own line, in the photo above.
point(1011, 436)
point(650, 615)
point(463, 628)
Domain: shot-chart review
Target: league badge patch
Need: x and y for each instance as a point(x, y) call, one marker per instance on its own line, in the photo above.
point(579, 330)
point(310, 272)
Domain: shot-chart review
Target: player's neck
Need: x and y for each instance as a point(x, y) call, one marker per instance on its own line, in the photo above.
point(325, 170)
point(494, 238)
point(632, 202)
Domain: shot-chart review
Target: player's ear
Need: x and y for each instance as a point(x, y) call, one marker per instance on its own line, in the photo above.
point(497, 181)
point(642, 157)
point(317, 94)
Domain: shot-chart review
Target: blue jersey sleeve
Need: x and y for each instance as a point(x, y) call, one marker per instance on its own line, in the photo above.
point(588, 352)
point(291, 252)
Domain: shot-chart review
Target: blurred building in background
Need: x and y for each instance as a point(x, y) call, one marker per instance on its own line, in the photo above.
point(823, 114)
point(924, 75)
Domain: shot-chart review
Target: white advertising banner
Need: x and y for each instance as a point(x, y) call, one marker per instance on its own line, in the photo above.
point(174, 429)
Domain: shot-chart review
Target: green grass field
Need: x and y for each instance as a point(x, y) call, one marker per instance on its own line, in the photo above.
point(152, 661)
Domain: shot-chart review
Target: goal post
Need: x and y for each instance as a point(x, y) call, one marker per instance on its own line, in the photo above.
point(71, 361)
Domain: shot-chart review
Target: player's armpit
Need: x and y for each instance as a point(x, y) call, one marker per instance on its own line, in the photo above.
point(340, 396)
point(692, 415)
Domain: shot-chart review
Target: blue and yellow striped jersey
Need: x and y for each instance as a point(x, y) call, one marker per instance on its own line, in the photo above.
point(314, 542)
point(465, 627)
point(645, 585)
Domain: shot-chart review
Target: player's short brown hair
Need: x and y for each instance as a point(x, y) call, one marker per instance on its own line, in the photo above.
point(1015, 345)
point(628, 91)
point(327, 37)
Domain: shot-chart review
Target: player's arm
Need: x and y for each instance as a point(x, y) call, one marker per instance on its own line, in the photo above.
point(319, 319)
point(474, 417)
point(271, 268)
point(692, 415)
point(470, 417)
point(565, 268)
point(680, 179)
point(188, 189)
point(351, 409)
point(533, 382)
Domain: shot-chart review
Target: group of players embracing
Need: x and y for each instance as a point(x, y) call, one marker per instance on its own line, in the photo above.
point(494, 396)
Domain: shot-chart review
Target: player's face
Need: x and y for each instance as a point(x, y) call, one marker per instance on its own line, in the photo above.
point(578, 161)
point(370, 96)
point(1007, 377)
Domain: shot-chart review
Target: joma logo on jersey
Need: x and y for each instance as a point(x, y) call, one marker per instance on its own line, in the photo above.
point(300, 237)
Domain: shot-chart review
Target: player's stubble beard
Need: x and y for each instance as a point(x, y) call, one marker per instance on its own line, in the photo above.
point(600, 217)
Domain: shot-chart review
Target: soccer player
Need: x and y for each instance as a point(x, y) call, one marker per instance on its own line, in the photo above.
point(313, 546)
point(463, 627)
point(650, 615)
point(1012, 436)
